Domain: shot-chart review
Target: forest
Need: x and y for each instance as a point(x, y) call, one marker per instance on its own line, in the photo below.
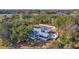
point(15, 26)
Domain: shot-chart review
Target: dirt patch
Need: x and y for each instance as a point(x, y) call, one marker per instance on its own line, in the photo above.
point(41, 46)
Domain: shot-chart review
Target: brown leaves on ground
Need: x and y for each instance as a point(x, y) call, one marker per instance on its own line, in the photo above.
point(45, 46)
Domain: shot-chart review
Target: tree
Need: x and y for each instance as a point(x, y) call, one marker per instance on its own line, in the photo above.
point(15, 30)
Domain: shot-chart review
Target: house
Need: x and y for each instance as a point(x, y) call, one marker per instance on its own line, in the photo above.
point(43, 32)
